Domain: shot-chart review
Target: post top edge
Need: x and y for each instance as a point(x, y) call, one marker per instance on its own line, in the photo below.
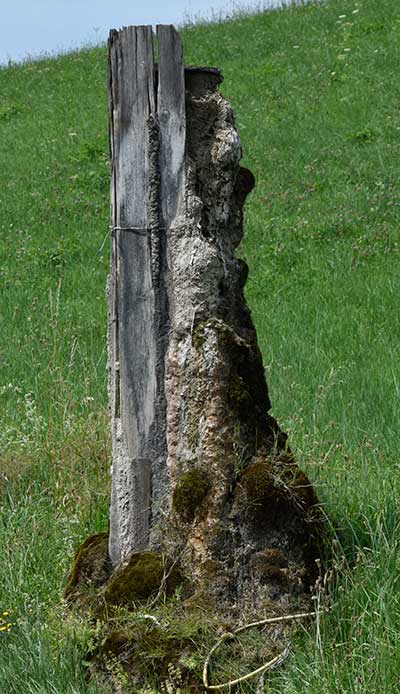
point(165, 26)
point(204, 68)
point(114, 31)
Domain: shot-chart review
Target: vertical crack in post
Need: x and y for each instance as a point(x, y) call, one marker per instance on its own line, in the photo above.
point(147, 137)
point(131, 336)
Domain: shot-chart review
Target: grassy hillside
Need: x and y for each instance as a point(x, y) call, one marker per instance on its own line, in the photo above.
point(316, 95)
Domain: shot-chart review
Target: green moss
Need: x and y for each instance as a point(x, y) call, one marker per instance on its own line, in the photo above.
point(143, 653)
point(91, 567)
point(142, 577)
point(265, 482)
point(189, 493)
point(163, 648)
point(147, 648)
point(93, 584)
point(257, 483)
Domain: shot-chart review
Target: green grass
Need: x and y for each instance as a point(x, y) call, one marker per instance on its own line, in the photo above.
point(316, 97)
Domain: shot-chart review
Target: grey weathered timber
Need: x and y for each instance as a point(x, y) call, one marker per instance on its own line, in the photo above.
point(167, 162)
point(132, 338)
point(172, 121)
point(147, 143)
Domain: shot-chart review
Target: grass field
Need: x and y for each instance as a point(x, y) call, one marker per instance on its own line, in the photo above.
point(316, 94)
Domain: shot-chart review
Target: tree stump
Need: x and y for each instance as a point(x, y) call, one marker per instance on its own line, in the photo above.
point(203, 481)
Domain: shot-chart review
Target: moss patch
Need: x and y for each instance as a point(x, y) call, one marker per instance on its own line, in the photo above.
point(265, 482)
point(190, 491)
point(163, 649)
point(139, 649)
point(91, 567)
point(257, 483)
point(93, 584)
point(142, 577)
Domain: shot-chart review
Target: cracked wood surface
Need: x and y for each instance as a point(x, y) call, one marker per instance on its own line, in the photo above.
point(147, 148)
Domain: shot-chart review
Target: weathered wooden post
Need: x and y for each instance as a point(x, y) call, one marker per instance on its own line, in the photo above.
point(147, 138)
point(200, 469)
point(205, 491)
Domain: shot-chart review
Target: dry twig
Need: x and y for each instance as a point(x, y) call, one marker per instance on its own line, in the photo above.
point(270, 665)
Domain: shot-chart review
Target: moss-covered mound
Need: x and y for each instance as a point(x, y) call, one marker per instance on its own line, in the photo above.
point(143, 650)
point(162, 647)
point(93, 583)
point(144, 575)
point(190, 491)
point(265, 483)
point(91, 568)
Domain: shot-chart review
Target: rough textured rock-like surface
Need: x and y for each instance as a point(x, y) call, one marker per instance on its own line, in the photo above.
point(201, 471)
point(240, 508)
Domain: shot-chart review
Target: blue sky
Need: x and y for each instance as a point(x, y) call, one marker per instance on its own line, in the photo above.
point(34, 27)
